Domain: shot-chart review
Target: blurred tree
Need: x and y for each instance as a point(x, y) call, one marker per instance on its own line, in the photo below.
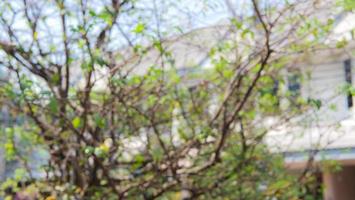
point(104, 90)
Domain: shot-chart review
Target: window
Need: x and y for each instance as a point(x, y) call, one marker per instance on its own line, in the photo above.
point(294, 83)
point(275, 87)
point(348, 79)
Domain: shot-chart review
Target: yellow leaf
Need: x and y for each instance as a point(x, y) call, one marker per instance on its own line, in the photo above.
point(35, 35)
point(76, 122)
point(51, 198)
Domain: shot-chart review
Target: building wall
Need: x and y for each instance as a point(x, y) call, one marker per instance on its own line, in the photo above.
point(340, 185)
point(326, 82)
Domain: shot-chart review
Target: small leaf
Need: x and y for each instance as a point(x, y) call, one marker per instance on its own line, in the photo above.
point(315, 103)
point(139, 28)
point(139, 159)
point(35, 35)
point(159, 46)
point(89, 150)
point(20, 173)
point(53, 105)
point(76, 122)
point(341, 44)
point(100, 122)
point(9, 151)
point(55, 78)
point(102, 150)
point(106, 17)
point(157, 154)
point(92, 13)
point(101, 61)
point(237, 23)
point(51, 198)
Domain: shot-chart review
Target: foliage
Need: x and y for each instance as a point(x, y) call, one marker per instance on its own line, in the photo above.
point(119, 117)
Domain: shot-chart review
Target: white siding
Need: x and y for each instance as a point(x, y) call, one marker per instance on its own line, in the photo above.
point(325, 83)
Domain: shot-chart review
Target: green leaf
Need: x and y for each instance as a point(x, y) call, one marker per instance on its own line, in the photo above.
point(76, 122)
point(237, 23)
point(256, 68)
point(86, 66)
point(101, 61)
point(151, 100)
point(81, 44)
point(92, 13)
point(25, 82)
point(159, 46)
point(53, 105)
point(139, 159)
point(315, 103)
point(100, 122)
point(20, 173)
point(348, 4)
point(341, 44)
point(247, 32)
point(333, 107)
point(89, 150)
point(102, 150)
point(55, 78)
point(157, 154)
point(139, 28)
point(9, 150)
point(106, 17)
